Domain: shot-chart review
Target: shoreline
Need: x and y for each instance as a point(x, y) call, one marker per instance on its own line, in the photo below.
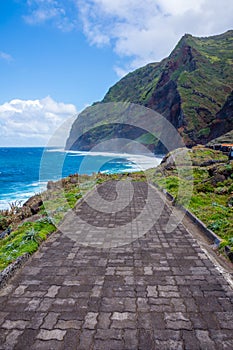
point(23, 192)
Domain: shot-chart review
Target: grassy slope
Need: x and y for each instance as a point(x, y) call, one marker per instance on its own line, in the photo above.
point(212, 196)
point(137, 86)
point(203, 91)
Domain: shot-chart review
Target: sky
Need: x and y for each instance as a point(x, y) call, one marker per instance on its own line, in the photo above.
point(59, 56)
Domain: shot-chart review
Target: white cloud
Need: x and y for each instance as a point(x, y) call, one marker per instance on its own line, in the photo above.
point(63, 14)
point(32, 122)
point(6, 56)
point(147, 30)
point(139, 31)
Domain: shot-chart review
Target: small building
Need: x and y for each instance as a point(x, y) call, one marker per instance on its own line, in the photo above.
point(224, 147)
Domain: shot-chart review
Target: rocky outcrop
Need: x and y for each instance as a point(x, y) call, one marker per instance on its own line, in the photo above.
point(34, 204)
point(223, 122)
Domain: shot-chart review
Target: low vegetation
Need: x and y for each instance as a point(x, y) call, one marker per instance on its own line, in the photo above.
point(26, 238)
point(211, 183)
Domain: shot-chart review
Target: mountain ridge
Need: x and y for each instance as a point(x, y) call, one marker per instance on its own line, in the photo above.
point(192, 88)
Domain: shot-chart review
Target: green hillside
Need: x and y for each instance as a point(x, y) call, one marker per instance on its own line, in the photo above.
point(192, 89)
point(195, 81)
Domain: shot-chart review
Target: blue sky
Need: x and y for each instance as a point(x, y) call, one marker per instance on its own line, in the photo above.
point(45, 60)
point(58, 56)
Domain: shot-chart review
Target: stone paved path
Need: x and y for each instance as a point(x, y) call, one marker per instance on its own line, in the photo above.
point(158, 292)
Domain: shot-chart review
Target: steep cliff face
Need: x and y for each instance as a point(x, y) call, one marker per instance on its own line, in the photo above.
point(189, 88)
point(192, 89)
point(166, 98)
point(223, 122)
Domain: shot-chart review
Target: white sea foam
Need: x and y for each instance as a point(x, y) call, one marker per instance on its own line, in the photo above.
point(21, 196)
point(133, 162)
point(138, 161)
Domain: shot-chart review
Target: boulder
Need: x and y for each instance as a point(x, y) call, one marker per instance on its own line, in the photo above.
point(34, 203)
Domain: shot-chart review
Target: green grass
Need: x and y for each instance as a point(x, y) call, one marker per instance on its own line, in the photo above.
point(210, 201)
point(25, 239)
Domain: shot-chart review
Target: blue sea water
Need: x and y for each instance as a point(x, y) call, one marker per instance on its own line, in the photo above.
point(26, 171)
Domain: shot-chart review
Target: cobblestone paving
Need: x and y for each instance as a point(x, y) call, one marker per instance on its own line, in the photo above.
point(158, 292)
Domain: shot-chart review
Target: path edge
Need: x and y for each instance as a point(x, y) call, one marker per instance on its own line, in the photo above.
point(9, 271)
point(212, 236)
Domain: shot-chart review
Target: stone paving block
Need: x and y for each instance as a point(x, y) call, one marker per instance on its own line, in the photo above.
point(165, 334)
point(123, 320)
point(20, 290)
point(52, 292)
point(129, 304)
point(190, 340)
point(225, 303)
point(112, 304)
point(120, 316)
point(34, 294)
point(56, 334)
point(164, 294)
point(169, 344)
point(12, 339)
point(71, 339)
point(104, 320)
point(50, 320)
point(146, 339)
point(204, 340)
point(177, 320)
point(90, 320)
point(96, 291)
point(142, 305)
point(190, 304)
point(45, 305)
point(47, 345)
point(26, 339)
point(130, 339)
point(144, 321)
point(3, 315)
point(159, 308)
point(69, 324)
point(167, 288)
point(225, 319)
point(107, 334)
point(157, 320)
point(63, 304)
point(108, 344)
point(208, 304)
point(19, 324)
point(3, 335)
point(223, 340)
point(86, 339)
point(148, 270)
point(33, 304)
point(178, 304)
point(36, 320)
point(152, 291)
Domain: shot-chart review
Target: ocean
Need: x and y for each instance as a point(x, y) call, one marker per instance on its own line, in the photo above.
point(25, 172)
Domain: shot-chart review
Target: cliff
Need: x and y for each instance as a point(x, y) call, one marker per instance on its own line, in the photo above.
point(192, 89)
